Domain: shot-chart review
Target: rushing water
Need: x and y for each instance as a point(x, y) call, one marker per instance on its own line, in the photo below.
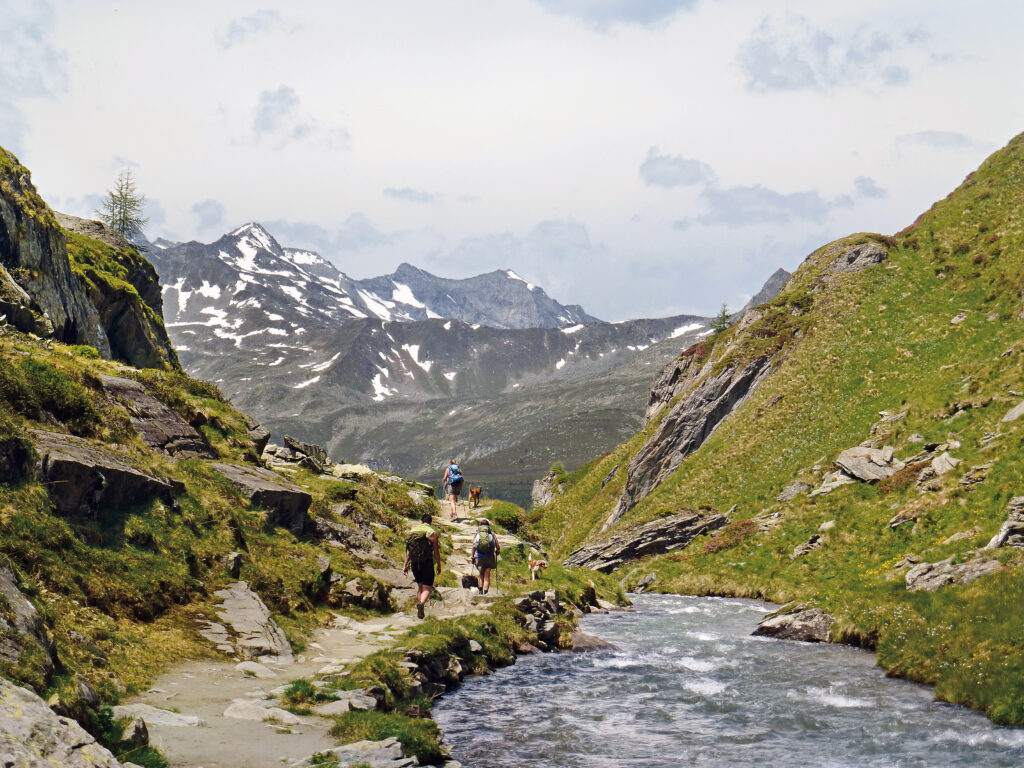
point(689, 686)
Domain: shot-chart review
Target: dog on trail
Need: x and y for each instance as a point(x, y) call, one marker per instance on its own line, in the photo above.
point(536, 568)
point(474, 496)
point(470, 582)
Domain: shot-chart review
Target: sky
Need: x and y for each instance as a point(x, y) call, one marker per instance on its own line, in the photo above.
point(642, 158)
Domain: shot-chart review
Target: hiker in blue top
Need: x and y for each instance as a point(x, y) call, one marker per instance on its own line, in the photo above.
point(453, 484)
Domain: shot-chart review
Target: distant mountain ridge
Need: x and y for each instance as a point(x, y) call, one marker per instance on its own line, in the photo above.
point(404, 370)
point(500, 299)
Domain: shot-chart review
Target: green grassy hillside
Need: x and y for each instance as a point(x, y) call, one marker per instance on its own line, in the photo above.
point(934, 332)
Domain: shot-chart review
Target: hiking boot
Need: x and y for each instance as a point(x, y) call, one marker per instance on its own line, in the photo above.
point(419, 610)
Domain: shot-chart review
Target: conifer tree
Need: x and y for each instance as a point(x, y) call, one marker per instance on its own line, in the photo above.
point(722, 320)
point(122, 207)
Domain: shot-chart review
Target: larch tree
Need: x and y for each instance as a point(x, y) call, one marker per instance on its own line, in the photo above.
point(122, 207)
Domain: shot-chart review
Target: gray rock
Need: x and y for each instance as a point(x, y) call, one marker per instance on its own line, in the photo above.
point(375, 754)
point(136, 734)
point(475, 647)
point(233, 562)
point(158, 425)
point(944, 463)
point(84, 480)
point(685, 429)
point(868, 464)
point(1014, 413)
point(1011, 534)
point(858, 258)
point(976, 475)
point(830, 482)
point(260, 436)
point(808, 546)
point(21, 626)
point(158, 717)
point(254, 632)
point(255, 669)
point(581, 642)
point(810, 625)
point(286, 503)
point(927, 577)
point(33, 736)
point(827, 526)
point(654, 538)
point(313, 451)
point(792, 490)
point(347, 700)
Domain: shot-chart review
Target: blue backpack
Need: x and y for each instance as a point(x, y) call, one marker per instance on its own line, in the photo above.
point(454, 474)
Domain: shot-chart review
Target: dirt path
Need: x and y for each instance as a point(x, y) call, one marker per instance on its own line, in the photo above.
point(224, 714)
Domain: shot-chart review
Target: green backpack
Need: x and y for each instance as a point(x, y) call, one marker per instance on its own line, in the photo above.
point(420, 548)
point(485, 541)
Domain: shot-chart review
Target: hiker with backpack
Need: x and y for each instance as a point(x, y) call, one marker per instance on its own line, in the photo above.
point(485, 553)
point(422, 553)
point(452, 482)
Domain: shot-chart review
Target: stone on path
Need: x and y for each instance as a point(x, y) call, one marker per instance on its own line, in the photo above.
point(240, 709)
point(254, 633)
point(156, 716)
point(33, 736)
point(347, 700)
point(255, 669)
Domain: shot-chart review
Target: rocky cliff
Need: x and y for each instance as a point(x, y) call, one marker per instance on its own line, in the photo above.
point(75, 280)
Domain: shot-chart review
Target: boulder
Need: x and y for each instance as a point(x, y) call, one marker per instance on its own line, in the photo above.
point(793, 490)
point(373, 754)
point(944, 463)
point(1011, 534)
point(33, 736)
point(259, 435)
point(84, 479)
point(347, 700)
point(158, 717)
point(368, 593)
point(809, 625)
point(159, 426)
point(858, 258)
point(285, 501)
point(927, 577)
point(254, 633)
point(654, 538)
point(22, 629)
point(808, 546)
point(830, 482)
point(976, 475)
point(311, 450)
point(582, 642)
point(136, 734)
point(869, 465)
point(1014, 413)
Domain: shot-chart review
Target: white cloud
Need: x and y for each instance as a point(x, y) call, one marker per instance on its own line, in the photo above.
point(602, 13)
point(241, 29)
point(673, 170)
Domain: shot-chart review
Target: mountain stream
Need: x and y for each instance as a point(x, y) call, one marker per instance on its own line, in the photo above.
point(688, 685)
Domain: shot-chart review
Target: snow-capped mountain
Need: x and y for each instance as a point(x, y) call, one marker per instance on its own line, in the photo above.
point(375, 368)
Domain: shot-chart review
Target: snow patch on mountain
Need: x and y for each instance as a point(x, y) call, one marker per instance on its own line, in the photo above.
point(685, 329)
point(529, 286)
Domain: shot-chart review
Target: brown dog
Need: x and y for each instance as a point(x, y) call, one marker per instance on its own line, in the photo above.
point(536, 568)
point(474, 496)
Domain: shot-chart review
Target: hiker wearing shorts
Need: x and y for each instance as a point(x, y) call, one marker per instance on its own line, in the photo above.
point(452, 482)
point(485, 552)
point(423, 554)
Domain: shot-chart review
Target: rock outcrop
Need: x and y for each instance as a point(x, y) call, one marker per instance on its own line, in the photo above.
point(285, 502)
point(869, 465)
point(809, 625)
point(33, 251)
point(375, 754)
point(1011, 534)
point(159, 426)
point(686, 428)
point(33, 736)
point(858, 258)
point(654, 538)
point(25, 645)
point(84, 480)
point(545, 489)
point(927, 577)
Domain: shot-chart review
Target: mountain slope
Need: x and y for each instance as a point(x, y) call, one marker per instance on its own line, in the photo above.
point(906, 350)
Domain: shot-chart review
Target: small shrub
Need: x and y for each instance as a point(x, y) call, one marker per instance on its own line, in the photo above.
point(84, 350)
point(732, 534)
point(961, 248)
point(508, 516)
point(900, 480)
